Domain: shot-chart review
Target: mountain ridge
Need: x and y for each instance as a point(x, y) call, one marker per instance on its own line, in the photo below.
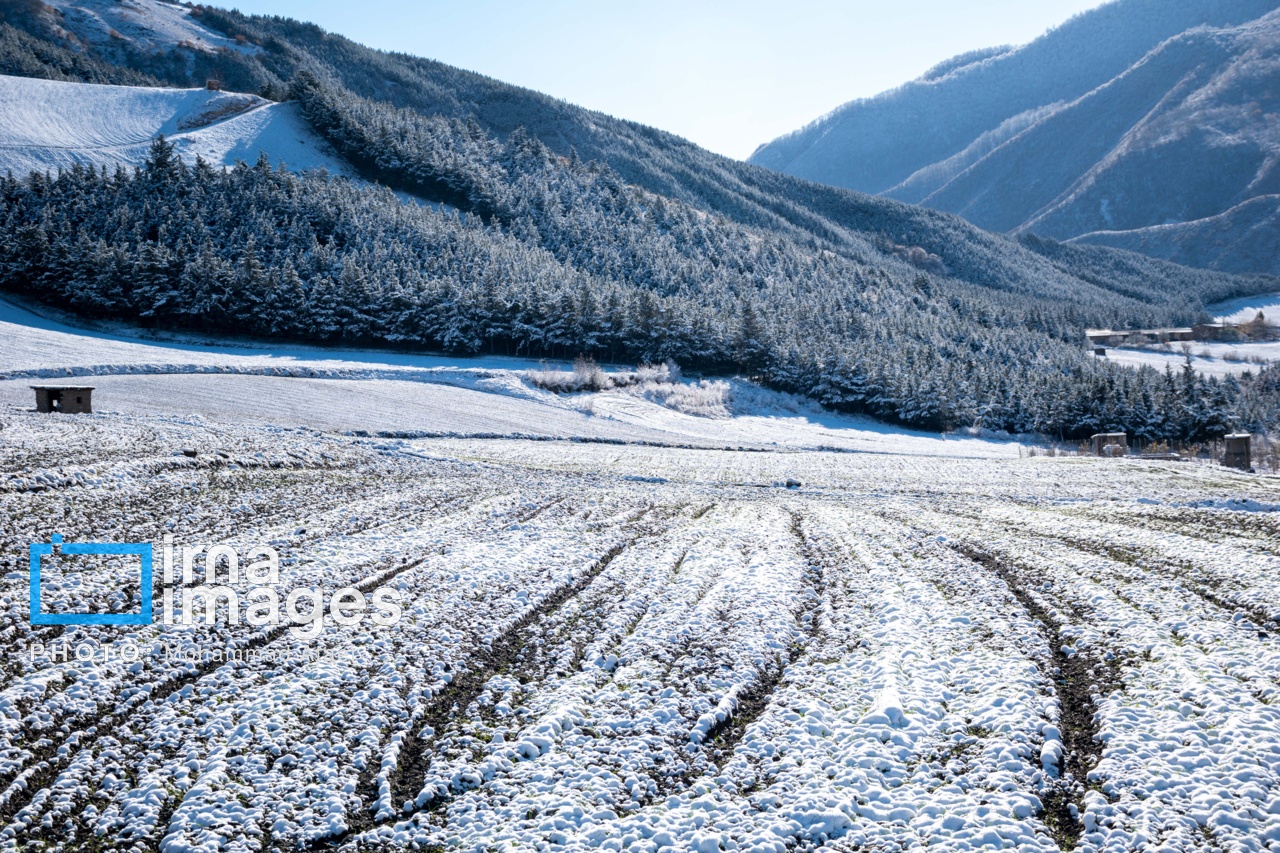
point(1060, 134)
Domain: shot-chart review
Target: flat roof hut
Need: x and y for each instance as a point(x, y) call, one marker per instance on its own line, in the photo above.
point(1238, 455)
point(71, 399)
point(1110, 444)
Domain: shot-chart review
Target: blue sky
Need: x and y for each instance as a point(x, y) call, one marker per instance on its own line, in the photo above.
point(728, 75)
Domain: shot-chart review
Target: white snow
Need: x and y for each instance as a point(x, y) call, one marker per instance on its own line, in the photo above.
point(887, 690)
point(50, 125)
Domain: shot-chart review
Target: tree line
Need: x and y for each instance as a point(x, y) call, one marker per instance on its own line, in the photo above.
point(568, 260)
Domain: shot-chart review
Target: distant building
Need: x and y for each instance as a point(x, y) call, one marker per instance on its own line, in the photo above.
point(1114, 337)
point(1238, 455)
point(1100, 352)
point(70, 399)
point(1110, 444)
point(213, 85)
point(1212, 331)
point(1253, 330)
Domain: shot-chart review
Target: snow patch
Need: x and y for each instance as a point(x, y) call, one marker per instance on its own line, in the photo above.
point(51, 125)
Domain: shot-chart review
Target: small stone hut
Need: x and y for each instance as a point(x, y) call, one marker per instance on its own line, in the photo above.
point(71, 399)
point(1238, 455)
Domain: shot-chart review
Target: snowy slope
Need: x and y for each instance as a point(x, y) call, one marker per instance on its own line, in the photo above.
point(144, 24)
point(50, 125)
point(1249, 229)
point(1247, 307)
point(875, 144)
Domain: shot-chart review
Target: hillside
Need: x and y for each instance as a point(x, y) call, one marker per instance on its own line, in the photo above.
point(563, 231)
point(1240, 239)
point(1132, 116)
point(275, 50)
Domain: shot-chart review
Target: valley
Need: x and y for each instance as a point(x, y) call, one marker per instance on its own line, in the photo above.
point(466, 470)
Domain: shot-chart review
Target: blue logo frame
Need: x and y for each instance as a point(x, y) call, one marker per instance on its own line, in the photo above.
point(141, 550)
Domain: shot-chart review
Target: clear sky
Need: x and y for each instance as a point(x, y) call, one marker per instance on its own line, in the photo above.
point(727, 75)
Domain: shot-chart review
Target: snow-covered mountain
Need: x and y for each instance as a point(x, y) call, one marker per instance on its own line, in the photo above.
point(1127, 121)
point(50, 125)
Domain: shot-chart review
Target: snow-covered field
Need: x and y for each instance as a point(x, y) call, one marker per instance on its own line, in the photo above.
point(50, 125)
point(347, 390)
point(1246, 308)
point(1208, 358)
point(646, 648)
point(778, 630)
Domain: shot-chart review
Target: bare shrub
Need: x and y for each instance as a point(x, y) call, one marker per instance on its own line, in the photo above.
point(586, 375)
point(668, 371)
point(657, 383)
point(1052, 451)
point(1266, 453)
point(708, 398)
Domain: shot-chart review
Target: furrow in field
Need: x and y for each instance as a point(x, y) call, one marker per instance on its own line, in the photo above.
point(629, 728)
point(196, 676)
point(527, 578)
point(915, 716)
point(1229, 570)
point(726, 733)
point(405, 774)
point(107, 702)
point(1237, 527)
point(523, 708)
point(1211, 603)
point(1075, 678)
point(1194, 682)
